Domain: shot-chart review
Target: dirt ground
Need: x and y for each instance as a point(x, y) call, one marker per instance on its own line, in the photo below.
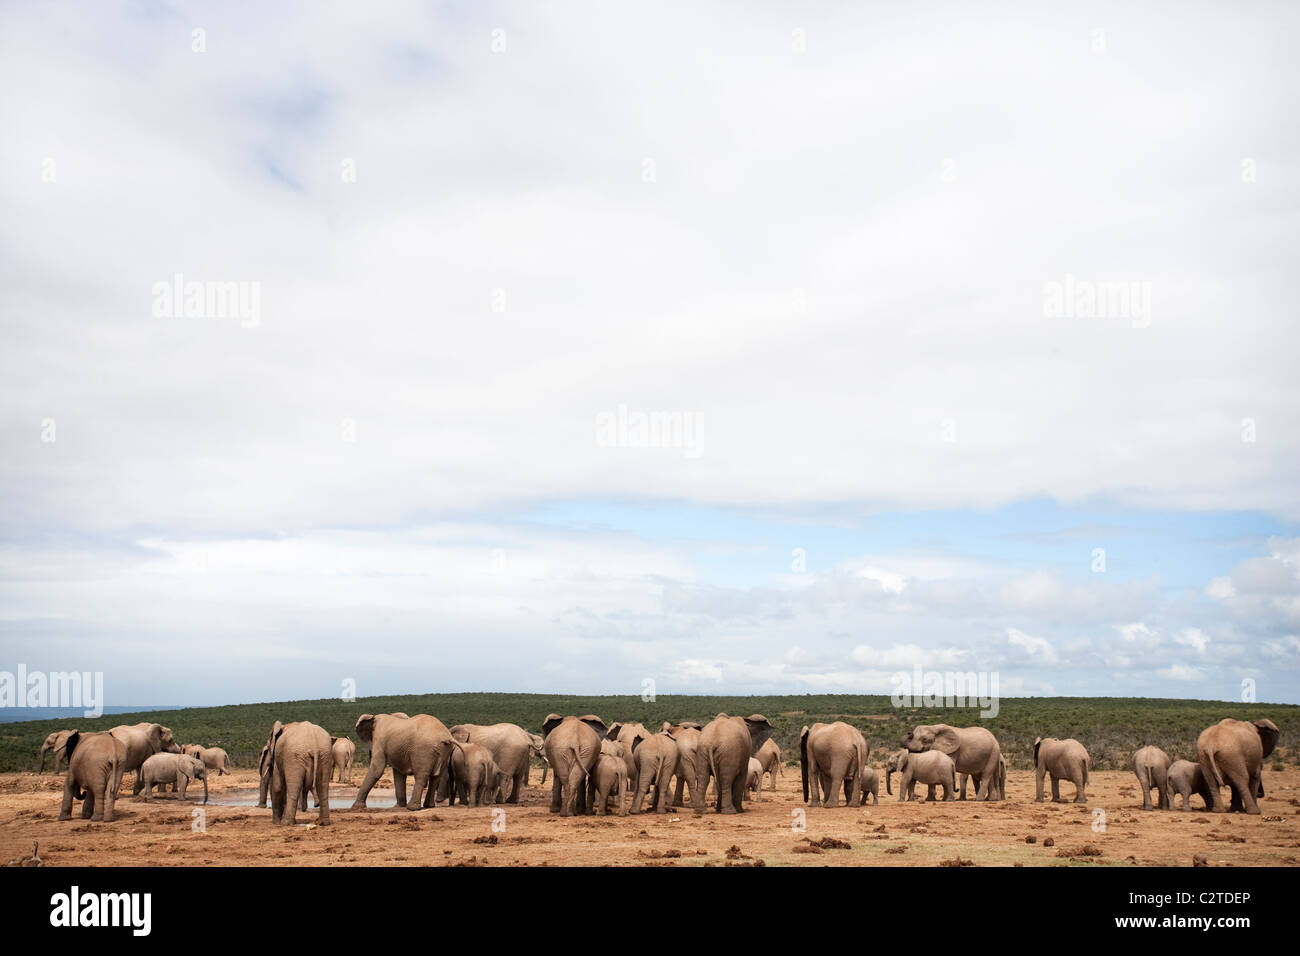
point(161, 832)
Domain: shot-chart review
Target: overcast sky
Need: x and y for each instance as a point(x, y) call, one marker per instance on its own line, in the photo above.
point(478, 241)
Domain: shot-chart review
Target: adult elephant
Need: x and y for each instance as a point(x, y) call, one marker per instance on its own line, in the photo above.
point(1151, 767)
point(687, 737)
point(55, 743)
point(142, 741)
point(831, 755)
point(726, 745)
point(510, 746)
point(94, 774)
point(998, 789)
point(973, 750)
point(1233, 752)
point(300, 758)
point(572, 746)
point(418, 746)
point(1062, 760)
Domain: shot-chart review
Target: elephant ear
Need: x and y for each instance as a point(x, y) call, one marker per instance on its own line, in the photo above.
point(691, 725)
point(365, 727)
point(596, 724)
point(1268, 734)
point(460, 733)
point(1038, 742)
point(550, 723)
point(760, 729)
point(665, 727)
point(946, 740)
point(276, 731)
point(614, 729)
point(73, 739)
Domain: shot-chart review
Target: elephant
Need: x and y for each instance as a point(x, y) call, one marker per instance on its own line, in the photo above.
point(142, 741)
point(608, 779)
point(1233, 752)
point(928, 766)
point(687, 736)
point(830, 754)
point(769, 755)
point(1062, 760)
point(510, 746)
point(726, 744)
point(95, 763)
point(997, 790)
point(974, 750)
point(56, 742)
point(300, 758)
point(1185, 779)
point(572, 746)
point(1151, 766)
point(656, 762)
point(419, 746)
point(474, 775)
point(264, 782)
point(754, 780)
point(214, 758)
point(629, 735)
point(869, 783)
point(344, 751)
point(178, 769)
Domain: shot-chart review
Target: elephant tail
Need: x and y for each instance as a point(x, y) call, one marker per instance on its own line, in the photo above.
point(1217, 780)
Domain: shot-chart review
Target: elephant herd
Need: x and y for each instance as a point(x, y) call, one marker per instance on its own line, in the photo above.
point(595, 766)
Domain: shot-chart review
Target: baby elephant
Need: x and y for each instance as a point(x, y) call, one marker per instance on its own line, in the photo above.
point(477, 777)
point(869, 783)
point(162, 769)
point(1151, 766)
point(754, 781)
point(608, 779)
point(1062, 760)
point(1186, 778)
point(214, 758)
point(930, 767)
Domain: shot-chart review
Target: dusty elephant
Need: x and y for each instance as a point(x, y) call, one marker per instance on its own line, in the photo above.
point(933, 767)
point(726, 744)
point(656, 762)
point(1151, 767)
point(419, 746)
point(831, 756)
point(55, 743)
point(769, 755)
point(608, 779)
point(754, 779)
point(572, 746)
point(344, 752)
point(687, 736)
point(299, 758)
point(973, 750)
point(474, 776)
point(1232, 752)
point(997, 789)
point(214, 758)
point(869, 783)
point(142, 741)
point(176, 769)
point(1185, 779)
point(94, 774)
point(510, 746)
point(1061, 760)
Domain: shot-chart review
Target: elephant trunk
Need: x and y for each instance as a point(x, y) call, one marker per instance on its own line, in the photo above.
point(205, 788)
point(41, 768)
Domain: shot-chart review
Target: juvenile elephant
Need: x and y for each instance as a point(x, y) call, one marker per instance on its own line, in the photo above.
point(754, 781)
point(931, 767)
point(973, 750)
point(344, 752)
point(474, 773)
point(177, 769)
point(572, 746)
point(1233, 752)
point(1151, 767)
point(142, 741)
point(419, 746)
point(537, 748)
point(1185, 779)
point(608, 779)
point(55, 743)
point(726, 744)
point(831, 756)
point(769, 755)
point(687, 735)
point(869, 783)
point(510, 746)
point(656, 761)
point(1062, 760)
point(94, 774)
point(629, 734)
point(299, 758)
point(214, 758)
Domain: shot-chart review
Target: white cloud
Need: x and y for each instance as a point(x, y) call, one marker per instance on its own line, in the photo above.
point(1035, 647)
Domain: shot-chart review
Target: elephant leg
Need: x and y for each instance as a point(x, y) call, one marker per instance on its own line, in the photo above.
point(420, 782)
point(1080, 790)
point(1056, 789)
point(572, 785)
point(521, 781)
point(680, 791)
point(639, 789)
point(110, 800)
point(1252, 787)
point(661, 790)
point(88, 805)
point(373, 773)
point(597, 801)
point(1038, 783)
point(65, 809)
point(294, 786)
point(557, 792)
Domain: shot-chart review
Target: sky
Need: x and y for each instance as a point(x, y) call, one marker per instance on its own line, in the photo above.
point(742, 349)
